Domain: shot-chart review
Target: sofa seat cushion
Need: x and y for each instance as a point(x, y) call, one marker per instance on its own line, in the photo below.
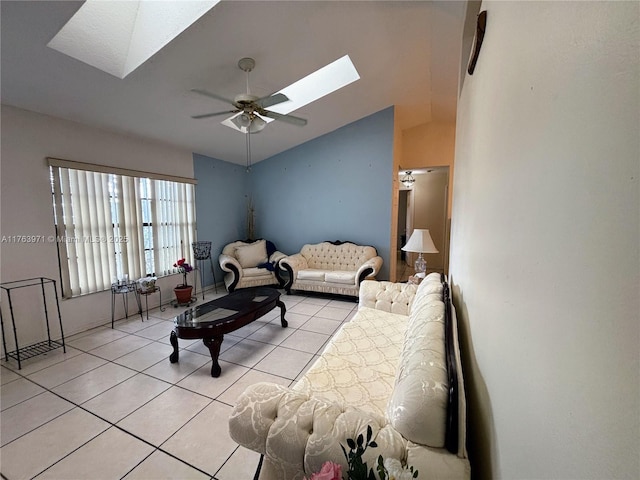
point(312, 274)
point(340, 276)
point(256, 272)
point(358, 367)
point(336, 380)
point(373, 340)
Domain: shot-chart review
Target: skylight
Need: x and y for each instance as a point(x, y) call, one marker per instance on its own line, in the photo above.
point(119, 36)
point(329, 78)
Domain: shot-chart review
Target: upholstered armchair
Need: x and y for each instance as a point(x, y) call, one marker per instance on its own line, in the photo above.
point(250, 264)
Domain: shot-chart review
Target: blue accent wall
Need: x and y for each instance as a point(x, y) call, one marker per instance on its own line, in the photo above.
point(335, 187)
point(221, 206)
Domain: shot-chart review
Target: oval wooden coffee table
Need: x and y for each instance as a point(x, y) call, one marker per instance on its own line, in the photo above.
point(211, 320)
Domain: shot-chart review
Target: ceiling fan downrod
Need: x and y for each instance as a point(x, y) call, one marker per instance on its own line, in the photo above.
point(247, 64)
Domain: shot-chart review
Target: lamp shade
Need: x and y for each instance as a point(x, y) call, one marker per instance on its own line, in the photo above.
point(420, 242)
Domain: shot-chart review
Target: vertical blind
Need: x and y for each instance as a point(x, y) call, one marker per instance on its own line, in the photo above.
point(109, 224)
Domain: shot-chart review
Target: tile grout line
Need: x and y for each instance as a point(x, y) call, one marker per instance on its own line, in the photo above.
point(349, 312)
point(111, 424)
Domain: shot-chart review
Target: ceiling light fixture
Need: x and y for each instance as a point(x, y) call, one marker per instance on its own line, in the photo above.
point(246, 121)
point(408, 179)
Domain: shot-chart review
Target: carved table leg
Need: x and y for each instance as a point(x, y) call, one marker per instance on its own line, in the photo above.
point(283, 310)
point(173, 339)
point(213, 344)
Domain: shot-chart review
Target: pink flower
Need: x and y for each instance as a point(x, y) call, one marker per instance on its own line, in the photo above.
point(329, 471)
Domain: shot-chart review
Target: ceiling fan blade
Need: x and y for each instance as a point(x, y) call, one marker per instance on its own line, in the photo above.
point(266, 102)
point(285, 118)
point(212, 95)
point(207, 115)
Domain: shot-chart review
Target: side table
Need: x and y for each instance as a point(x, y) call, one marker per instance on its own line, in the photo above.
point(146, 294)
point(124, 289)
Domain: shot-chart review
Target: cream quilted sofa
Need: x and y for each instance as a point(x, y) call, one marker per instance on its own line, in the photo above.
point(331, 267)
point(395, 367)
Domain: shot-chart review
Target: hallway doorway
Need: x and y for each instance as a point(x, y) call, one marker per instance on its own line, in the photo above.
point(424, 205)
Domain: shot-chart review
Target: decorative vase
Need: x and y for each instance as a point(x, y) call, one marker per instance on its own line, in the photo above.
point(183, 293)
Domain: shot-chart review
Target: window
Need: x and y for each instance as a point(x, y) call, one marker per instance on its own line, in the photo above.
point(114, 222)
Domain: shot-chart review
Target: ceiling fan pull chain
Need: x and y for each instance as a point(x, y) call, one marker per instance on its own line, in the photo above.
point(248, 149)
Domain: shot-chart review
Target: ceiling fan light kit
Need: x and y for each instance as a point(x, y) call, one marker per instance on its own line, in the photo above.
point(245, 121)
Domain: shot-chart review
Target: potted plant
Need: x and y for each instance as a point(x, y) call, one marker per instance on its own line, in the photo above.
point(389, 469)
point(183, 291)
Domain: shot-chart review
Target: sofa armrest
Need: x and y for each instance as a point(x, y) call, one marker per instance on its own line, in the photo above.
point(387, 296)
point(231, 265)
point(275, 260)
point(370, 268)
point(292, 264)
point(296, 262)
point(276, 257)
point(298, 433)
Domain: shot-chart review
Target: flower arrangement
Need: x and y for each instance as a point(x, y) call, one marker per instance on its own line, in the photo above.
point(389, 469)
point(184, 268)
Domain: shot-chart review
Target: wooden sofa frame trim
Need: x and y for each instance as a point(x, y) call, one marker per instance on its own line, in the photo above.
point(453, 420)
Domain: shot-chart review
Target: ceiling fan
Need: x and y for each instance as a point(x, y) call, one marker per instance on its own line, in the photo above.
point(249, 109)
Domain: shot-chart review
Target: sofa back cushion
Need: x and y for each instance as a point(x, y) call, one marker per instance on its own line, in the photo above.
point(418, 406)
point(249, 254)
point(327, 256)
point(252, 255)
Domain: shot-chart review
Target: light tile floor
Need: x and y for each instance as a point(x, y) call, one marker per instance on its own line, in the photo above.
point(114, 407)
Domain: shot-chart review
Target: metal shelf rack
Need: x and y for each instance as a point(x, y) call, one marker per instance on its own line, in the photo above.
point(202, 252)
point(38, 348)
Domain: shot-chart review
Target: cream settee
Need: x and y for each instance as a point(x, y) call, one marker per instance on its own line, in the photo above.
point(395, 367)
point(331, 267)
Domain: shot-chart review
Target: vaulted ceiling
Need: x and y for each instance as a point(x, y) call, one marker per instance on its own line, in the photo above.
point(407, 55)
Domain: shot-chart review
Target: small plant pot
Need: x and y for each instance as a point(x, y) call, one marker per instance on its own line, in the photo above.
point(183, 293)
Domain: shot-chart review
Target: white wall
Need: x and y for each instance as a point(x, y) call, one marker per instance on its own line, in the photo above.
point(545, 262)
point(26, 207)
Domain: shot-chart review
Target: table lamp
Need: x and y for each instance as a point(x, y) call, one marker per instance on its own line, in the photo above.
point(420, 242)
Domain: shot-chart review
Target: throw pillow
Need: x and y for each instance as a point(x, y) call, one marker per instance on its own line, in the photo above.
point(250, 256)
